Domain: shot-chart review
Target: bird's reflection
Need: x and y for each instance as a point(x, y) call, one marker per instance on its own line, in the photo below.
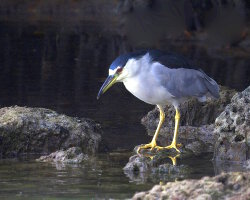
point(152, 156)
point(147, 155)
point(173, 159)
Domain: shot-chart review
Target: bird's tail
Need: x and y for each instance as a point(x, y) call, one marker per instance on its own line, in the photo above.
point(211, 85)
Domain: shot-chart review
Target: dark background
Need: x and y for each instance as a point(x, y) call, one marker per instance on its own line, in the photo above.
point(56, 54)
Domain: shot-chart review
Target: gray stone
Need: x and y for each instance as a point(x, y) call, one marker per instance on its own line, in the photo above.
point(196, 125)
point(228, 166)
point(196, 147)
point(232, 128)
point(153, 167)
point(225, 186)
point(40, 130)
point(247, 164)
point(137, 164)
point(73, 155)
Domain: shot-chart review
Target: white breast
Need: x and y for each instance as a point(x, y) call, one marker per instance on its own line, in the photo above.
point(143, 83)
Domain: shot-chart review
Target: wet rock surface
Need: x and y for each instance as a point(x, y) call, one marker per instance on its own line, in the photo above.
point(233, 129)
point(151, 167)
point(40, 130)
point(73, 155)
point(196, 123)
point(225, 186)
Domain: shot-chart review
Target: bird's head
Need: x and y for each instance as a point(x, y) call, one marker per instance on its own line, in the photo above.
point(118, 71)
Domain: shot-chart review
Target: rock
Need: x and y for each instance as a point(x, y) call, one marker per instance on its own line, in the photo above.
point(162, 166)
point(40, 130)
point(196, 147)
point(138, 164)
point(73, 155)
point(247, 164)
point(225, 186)
point(196, 124)
point(227, 166)
point(233, 129)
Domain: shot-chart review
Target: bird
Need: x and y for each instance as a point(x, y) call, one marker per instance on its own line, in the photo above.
point(160, 78)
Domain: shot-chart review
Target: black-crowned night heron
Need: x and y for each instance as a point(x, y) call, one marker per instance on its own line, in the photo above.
point(159, 78)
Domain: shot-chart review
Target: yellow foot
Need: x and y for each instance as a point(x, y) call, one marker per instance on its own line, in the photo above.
point(171, 146)
point(151, 145)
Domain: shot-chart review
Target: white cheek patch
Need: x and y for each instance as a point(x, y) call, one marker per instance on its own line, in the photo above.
point(112, 72)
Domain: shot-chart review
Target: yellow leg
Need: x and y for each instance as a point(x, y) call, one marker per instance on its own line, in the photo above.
point(152, 144)
point(173, 144)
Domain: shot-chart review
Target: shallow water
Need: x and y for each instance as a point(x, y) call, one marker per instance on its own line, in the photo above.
point(101, 178)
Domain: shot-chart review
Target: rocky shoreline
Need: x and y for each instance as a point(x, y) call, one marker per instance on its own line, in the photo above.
point(220, 127)
point(224, 186)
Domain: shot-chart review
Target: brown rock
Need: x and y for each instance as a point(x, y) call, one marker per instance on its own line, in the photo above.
point(225, 186)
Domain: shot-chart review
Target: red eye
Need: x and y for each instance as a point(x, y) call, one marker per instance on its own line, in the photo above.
point(119, 70)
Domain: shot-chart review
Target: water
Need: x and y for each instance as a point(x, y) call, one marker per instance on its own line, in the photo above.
point(101, 178)
point(62, 66)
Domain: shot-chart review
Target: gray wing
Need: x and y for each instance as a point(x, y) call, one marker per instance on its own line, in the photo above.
point(183, 82)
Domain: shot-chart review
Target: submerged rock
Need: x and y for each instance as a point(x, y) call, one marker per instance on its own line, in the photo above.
point(196, 123)
point(40, 130)
point(73, 155)
point(233, 129)
point(224, 186)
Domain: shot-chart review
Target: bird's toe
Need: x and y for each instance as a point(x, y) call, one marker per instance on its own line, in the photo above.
point(151, 146)
point(179, 145)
